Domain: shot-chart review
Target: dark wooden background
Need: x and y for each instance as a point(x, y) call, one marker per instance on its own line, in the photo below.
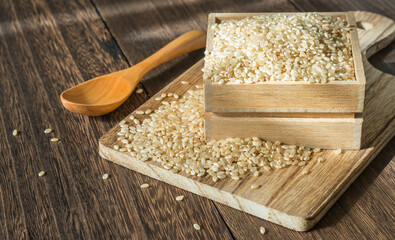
point(47, 46)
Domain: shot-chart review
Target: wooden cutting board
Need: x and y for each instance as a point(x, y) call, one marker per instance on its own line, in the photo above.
point(286, 196)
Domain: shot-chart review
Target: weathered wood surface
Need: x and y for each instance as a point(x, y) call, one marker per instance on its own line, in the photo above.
point(80, 41)
point(285, 196)
point(49, 46)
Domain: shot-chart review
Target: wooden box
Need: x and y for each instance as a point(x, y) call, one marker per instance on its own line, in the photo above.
point(299, 96)
point(312, 115)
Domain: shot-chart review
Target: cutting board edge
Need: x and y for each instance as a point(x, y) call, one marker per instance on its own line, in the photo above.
point(322, 209)
point(298, 223)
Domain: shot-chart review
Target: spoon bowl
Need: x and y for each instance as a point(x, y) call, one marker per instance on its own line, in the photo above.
point(104, 94)
point(89, 98)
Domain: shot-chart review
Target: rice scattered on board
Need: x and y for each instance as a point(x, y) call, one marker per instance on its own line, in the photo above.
point(173, 135)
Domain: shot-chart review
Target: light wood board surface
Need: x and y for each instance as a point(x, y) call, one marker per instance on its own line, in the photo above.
point(286, 196)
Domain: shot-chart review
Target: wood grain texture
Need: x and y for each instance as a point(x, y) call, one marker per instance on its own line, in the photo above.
point(48, 46)
point(76, 35)
point(290, 202)
point(326, 133)
point(282, 97)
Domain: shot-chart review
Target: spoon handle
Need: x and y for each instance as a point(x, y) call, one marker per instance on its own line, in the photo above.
point(185, 43)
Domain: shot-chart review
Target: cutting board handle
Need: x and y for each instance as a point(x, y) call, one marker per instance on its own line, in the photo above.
point(373, 38)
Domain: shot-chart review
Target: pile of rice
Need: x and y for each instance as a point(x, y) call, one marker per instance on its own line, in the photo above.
point(173, 135)
point(300, 47)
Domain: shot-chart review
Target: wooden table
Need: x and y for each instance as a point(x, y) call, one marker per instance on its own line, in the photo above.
point(47, 46)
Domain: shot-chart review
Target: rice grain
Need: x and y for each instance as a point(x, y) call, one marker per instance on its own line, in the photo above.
point(180, 198)
point(105, 176)
point(48, 130)
point(196, 226)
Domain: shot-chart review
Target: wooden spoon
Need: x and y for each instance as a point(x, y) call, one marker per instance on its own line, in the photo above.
point(104, 94)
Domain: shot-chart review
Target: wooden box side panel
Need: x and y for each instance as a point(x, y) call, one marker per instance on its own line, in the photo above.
point(331, 133)
point(268, 97)
point(358, 62)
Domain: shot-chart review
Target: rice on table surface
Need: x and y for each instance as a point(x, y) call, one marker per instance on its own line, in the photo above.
point(302, 47)
point(173, 135)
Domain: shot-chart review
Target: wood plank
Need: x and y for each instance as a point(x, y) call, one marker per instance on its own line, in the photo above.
point(3, 226)
point(23, 155)
point(45, 45)
point(13, 217)
point(295, 97)
point(287, 115)
point(277, 202)
point(67, 44)
point(326, 133)
point(383, 7)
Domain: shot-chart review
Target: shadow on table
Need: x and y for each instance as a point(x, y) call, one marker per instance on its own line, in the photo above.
point(357, 189)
